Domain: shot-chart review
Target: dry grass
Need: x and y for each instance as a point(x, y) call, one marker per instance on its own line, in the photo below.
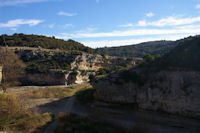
point(16, 116)
point(55, 92)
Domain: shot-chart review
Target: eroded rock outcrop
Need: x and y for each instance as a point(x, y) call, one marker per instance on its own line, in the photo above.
point(95, 61)
point(64, 67)
point(77, 77)
point(176, 92)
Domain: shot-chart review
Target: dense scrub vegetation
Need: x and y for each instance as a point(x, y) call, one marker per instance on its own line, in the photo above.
point(43, 42)
point(41, 62)
point(186, 56)
point(139, 50)
point(13, 68)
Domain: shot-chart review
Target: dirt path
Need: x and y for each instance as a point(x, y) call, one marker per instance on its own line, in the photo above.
point(65, 105)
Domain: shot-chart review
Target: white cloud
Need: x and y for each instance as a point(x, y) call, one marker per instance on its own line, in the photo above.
point(170, 21)
point(17, 22)
point(17, 2)
point(111, 43)
point(150, 14)
point(198, 6)
point(126, 25)
point(142, 23)
point(127, 33)
point(86, 30)
point(66, 14)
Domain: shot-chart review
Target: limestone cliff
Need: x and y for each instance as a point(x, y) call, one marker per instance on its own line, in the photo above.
point(96, 61)
point(77, 77)
point(64, 67)
point(176, 92)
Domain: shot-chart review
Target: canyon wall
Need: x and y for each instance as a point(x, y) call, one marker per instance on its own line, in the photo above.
point(176, 92)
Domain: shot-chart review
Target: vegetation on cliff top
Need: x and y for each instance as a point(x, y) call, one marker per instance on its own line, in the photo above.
point(43, 42)
point(186, 56)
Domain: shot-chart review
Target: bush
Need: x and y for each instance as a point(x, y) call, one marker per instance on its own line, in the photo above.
point(103, 71)
point(85, 96)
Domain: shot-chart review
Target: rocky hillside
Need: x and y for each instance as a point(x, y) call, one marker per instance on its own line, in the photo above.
point(64, 67)
point(172, 87)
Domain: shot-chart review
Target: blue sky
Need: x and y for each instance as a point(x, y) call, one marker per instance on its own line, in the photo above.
point(98, 23)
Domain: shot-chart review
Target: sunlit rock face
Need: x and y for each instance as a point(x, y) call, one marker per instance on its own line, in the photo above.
point(95, 61)
point(176, 92)
point(77, 77)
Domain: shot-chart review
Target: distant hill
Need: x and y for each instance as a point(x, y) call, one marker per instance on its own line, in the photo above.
point(139, 50)
point(43, 42)
point(186, 56)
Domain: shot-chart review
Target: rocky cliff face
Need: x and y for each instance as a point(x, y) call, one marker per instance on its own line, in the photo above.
point(64, 67)
point(174, 92)
point(95, 62)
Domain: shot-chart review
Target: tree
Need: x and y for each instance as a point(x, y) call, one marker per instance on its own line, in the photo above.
point(13, 68)
point(149, 59)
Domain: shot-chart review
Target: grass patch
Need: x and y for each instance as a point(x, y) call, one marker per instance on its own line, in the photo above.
point(56, 92)
point(16, 115)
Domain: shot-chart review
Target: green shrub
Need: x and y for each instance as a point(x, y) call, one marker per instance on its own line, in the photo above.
point(85, 96)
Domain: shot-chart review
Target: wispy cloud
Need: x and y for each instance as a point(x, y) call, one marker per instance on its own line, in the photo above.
point(110, 43)
point(170, 21)
point(97, 1)
point(90, 29)
point(128, 33)
point(17, 22)
point(150, 14)
point(66, 14)
point(198, 6)
point(17, 2)
point(126, 25)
